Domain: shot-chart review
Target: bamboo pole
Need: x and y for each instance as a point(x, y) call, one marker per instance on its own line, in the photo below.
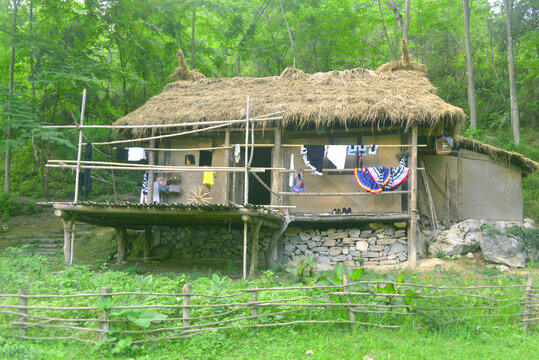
point(151, 162)
point(157, 126)
point(186, 302)
point(244, 247)
point(103, 314)
point(226, 163)
point(160, 168)
point(23, 301)
point(412, 231)
point(246, 176)
point(276, 180)
point(77, 173)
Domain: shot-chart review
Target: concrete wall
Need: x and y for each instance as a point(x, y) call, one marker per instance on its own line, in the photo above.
point(478, 187)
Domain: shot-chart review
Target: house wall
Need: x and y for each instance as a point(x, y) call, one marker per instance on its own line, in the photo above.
point(479, 187)
point(334, 183)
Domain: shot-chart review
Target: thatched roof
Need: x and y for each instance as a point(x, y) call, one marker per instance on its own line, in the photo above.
point(496, 153)
point(346, 98)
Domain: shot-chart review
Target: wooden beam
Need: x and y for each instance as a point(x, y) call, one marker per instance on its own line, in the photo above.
point(412, 231)
point(276, 180)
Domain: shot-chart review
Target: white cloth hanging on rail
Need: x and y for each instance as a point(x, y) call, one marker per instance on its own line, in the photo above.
point(337, 155)
point(155, 194)
point(291, 174)
point(136, 154)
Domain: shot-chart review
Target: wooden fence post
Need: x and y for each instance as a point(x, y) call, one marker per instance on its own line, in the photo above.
point(254, 299)
point(527, 304)
point(186, 302)
point(347, 289)
point(104, 324)
point(23, 301)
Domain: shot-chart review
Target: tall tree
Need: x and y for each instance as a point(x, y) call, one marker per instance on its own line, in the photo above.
point(406, 20)
point(7, 164)
point(515, 119)
point(469, 65)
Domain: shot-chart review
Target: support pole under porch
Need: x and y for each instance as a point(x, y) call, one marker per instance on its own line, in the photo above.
point(121, 238)
point(412, 230)
point(69, 223)
point(147, 243)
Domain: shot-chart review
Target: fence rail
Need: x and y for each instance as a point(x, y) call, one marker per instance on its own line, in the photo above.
point(152, 317)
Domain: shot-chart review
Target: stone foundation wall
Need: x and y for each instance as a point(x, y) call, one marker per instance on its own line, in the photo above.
point(373, 244)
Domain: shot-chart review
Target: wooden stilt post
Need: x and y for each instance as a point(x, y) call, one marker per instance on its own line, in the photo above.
point(77, 172)
point(276, 180)
point(147, 243)
point(121, 238)
point(68, 221)
point(255, 229)
point(412, 230)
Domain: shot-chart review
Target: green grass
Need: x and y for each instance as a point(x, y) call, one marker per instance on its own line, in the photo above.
point(462, 339)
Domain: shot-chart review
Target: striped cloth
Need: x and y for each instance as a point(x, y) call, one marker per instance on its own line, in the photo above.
point(377, 179)
point(145, 184)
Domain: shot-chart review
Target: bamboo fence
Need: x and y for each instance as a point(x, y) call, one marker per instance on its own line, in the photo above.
point(96, 316)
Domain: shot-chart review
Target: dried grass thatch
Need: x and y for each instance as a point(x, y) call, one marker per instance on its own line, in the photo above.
point(496, 153)
point(346, 98)
point(404, 63)
point(182, 72)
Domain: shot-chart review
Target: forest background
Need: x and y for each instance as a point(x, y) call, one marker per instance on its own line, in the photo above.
point(122, 52)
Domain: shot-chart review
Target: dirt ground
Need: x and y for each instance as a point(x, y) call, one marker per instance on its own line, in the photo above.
point(97, 245)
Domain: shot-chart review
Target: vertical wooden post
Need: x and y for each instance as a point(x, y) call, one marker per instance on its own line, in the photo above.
point(147, 243)
point(226, 160)
point(276, 180)
point(254, 299)
point(186, 303)
point(68, 221)
point(245, 218)
point(347, 289)
point(527, 304)
point(255, 229)
point(151, 162)
point(77, 173)
point(104, 324)
point(121, 238)
point(412, 231)
point(23, 301)
point(245, 162)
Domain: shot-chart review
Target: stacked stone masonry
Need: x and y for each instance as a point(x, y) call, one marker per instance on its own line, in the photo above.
point(375, 244)
point(372, 244)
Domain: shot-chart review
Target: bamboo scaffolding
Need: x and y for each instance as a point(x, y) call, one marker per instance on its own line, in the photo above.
point(79, 150)
point(162, 168)
point(343, 193)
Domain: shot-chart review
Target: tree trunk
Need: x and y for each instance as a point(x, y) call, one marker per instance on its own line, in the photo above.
point(469, 65)
point(193, 41)
point(289, 33)
point(406, 21)
point(398, 15)
point(7, 164)
point(393, 55)
point(515, 121)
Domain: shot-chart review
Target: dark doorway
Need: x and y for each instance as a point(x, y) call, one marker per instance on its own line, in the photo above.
point(258, 194)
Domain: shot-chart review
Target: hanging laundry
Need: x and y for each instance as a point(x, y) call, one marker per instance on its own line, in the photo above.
point(362, 150)
point(352, 150)
point(313, 155)
point(300, 186)
point(144, 190)
point(121, 154)
point(337, 155)
point(155, 193)
point(373, 149)
point(291, 175)
point(237, 153)
point(208, 178)
point(136, 154)
point(377, 179)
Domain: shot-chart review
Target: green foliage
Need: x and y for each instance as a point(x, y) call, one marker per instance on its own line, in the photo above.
point(530, 237)
point(11, 205)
